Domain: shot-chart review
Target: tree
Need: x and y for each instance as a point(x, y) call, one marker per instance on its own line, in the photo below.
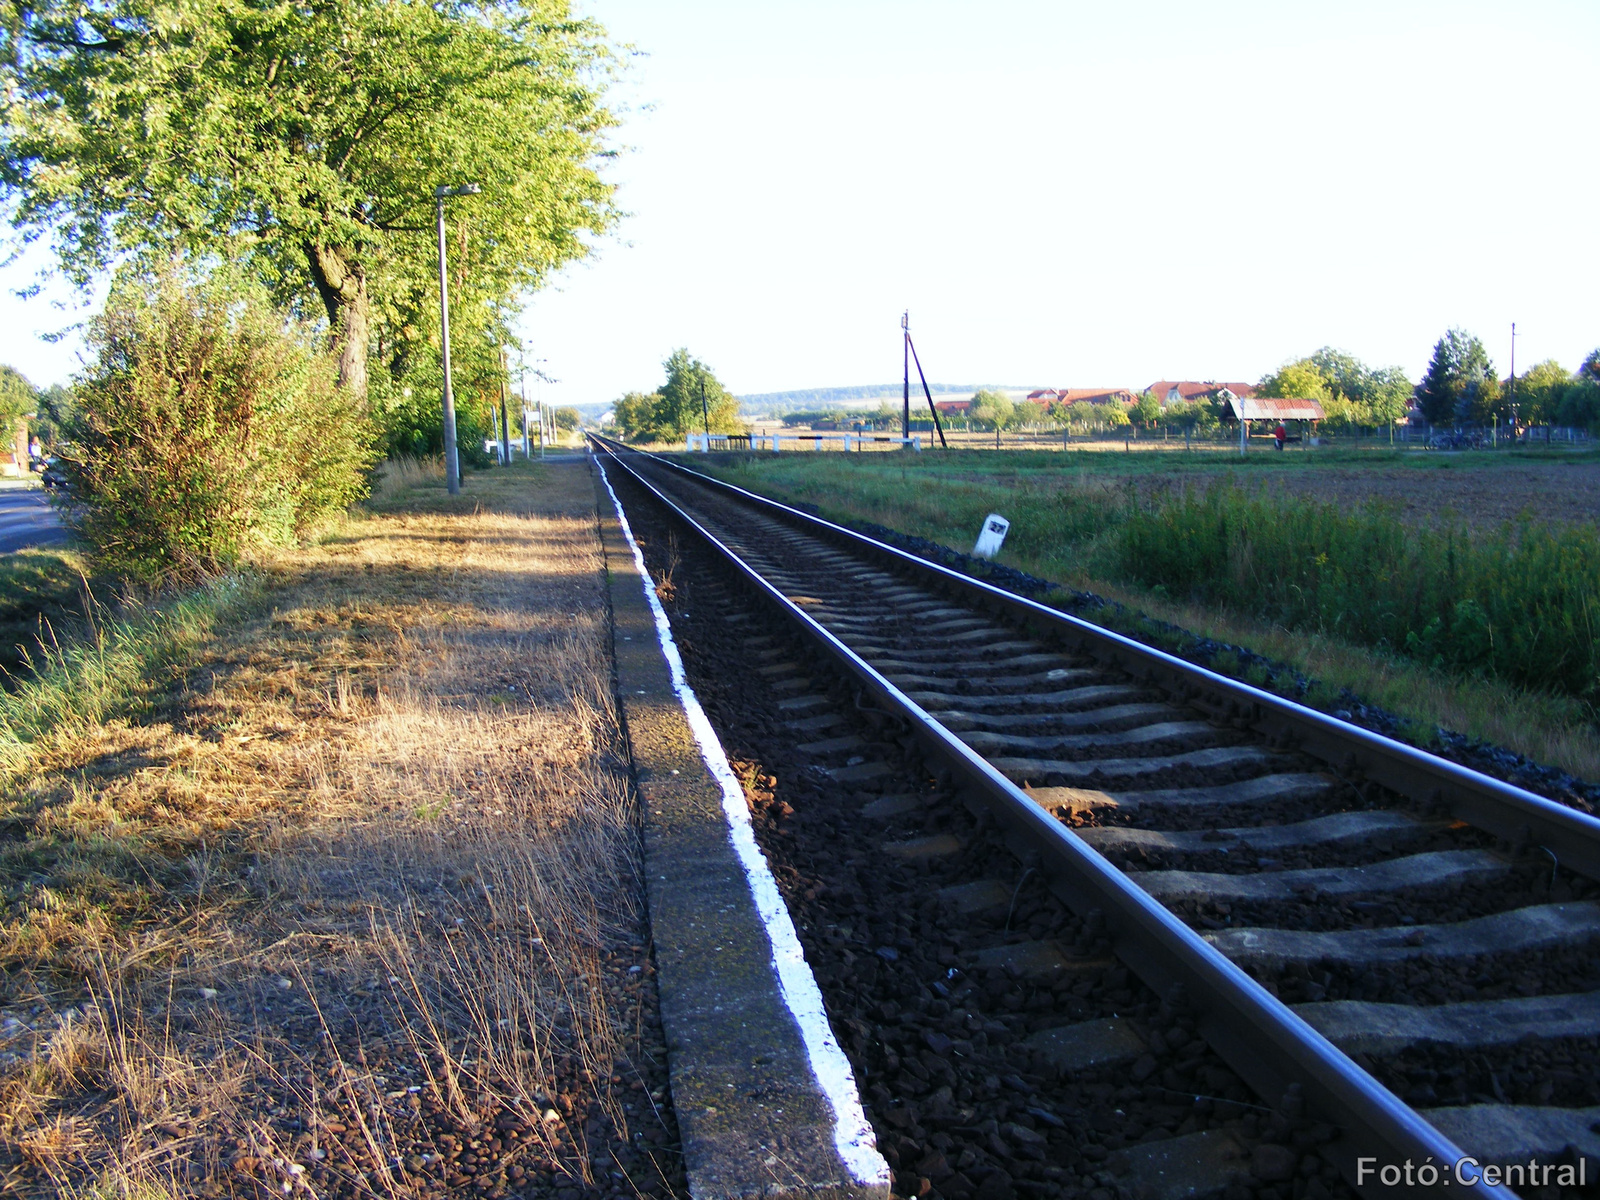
point(58, 408)
point(1350, 392)
point(1146, 410)
point(1590, 370)
point(18, 400)
point(567, 418)
point(633, 414)
point(1459, 378)
point(675, 408)
point(691, 396)
point(307, 140)
point(1386, 395)
point(991, 409)
point(1302, 379)
point(1540, 391)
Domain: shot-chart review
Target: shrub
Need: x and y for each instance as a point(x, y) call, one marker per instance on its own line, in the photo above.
point(209, 425)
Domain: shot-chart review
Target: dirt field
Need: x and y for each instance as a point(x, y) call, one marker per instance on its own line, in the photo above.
point(353, 908)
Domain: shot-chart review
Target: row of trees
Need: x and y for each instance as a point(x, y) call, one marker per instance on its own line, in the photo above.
point(691, 400)
point(1461, 386)
point(305, 142)
point(1350, 392)
point(300, 147)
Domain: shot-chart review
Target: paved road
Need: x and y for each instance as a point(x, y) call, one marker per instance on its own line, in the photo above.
point(26, 519)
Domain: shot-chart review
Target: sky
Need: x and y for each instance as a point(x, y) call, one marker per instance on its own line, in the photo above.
point(1066, 194)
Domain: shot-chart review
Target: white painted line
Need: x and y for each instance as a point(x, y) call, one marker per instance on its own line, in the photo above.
point(852, 1135)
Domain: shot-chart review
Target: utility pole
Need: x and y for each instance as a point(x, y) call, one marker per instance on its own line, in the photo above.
point(905, 390)
point(522, 363)
point(538, 391)
point(705, 413)
point(452, 460)
point(1511, 387)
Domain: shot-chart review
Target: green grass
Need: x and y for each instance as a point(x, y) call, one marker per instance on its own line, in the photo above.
point(1514, 603)
point(85, 680)
point(1490, 631)
point(42, 599)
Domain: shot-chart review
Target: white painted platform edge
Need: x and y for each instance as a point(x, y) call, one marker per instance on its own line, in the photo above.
point(852, 1135)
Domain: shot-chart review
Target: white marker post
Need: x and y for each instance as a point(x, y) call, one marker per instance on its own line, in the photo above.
point(991, 536)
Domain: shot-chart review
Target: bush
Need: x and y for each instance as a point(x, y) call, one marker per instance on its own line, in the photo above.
point(208, 426)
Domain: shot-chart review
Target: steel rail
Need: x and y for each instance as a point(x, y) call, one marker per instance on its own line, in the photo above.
point(1256, 1034)
point(1446, 788)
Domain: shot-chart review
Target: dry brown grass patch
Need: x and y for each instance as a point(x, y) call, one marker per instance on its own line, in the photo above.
point(355, 904)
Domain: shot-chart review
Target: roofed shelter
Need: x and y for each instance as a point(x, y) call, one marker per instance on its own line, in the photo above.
point(1265, 408)
point(1262, 408)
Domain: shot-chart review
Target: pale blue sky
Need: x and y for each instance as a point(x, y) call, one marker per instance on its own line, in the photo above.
point(1074, 194)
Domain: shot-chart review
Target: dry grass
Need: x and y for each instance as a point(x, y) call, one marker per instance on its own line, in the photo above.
point(355, 901)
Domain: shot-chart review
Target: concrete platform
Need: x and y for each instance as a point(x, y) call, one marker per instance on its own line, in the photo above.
point(765, 1100)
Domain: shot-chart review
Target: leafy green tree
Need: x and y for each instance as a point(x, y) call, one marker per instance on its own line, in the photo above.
point(991, 410)
point(1146, 410)
point(691, 394)
point(1539, 392)
point(1460, 378)
point(567, 418)
point(1350, 392)
point(307, 140)
point(58, 408)
point(675, 409)
point(633, 414)
point(1299, 380)
point(18, 400)
point(1580, 404)
point(1114, 415)
point(1081, 415)
point(1590, 370)
point(1386, 395)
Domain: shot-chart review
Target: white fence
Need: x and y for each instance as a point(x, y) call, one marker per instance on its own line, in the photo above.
point(794, 441)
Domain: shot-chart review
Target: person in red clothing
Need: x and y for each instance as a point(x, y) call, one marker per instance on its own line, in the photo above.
point(1280, 434)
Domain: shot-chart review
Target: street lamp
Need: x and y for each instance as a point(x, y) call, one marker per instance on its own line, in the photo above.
point(452, 462)
point(538, 403)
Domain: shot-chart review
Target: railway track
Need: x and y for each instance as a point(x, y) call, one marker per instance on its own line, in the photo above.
point(1346, 955)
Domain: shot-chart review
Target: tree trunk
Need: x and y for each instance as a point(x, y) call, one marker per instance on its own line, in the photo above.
point(342, 283)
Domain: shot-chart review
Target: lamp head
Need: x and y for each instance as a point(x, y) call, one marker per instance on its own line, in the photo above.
point(464, 189)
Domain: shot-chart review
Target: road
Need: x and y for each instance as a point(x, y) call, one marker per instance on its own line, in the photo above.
point(26, 519)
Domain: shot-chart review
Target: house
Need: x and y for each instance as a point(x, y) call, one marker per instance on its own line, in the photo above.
point(952, 408)
point(1190, 390)
point(1099, 395)
point(1045, 397)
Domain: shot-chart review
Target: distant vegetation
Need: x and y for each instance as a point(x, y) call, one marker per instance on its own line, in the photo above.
point(772, 403)
point(1350, 392)
point(691, 400)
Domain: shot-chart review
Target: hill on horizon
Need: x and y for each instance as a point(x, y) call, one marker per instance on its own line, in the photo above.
point(758, 403)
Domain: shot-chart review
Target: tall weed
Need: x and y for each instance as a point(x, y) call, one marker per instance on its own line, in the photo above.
point(82, 682)
point(1518, 602)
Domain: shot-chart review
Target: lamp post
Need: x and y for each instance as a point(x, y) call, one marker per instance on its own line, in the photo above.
point(452, 462)
point(538, 399)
